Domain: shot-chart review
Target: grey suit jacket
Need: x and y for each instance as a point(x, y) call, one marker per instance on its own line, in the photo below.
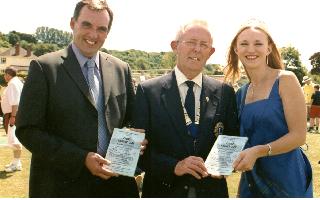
point(57, 120)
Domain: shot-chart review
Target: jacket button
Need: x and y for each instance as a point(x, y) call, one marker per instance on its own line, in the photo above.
point(186, 187)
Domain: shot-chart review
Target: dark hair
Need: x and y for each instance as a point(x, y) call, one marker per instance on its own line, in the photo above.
point(93, 5)
point(11, 71)
point(316, 86)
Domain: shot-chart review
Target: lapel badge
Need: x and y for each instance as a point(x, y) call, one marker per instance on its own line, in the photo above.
point(218, 129)
point(207, 99)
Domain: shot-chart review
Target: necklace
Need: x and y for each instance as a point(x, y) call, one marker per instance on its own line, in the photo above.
point(262, 82)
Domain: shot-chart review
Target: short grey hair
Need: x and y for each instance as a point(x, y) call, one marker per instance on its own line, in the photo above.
point(198, 22)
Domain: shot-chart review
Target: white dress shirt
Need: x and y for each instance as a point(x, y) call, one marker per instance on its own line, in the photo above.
point(183, 88)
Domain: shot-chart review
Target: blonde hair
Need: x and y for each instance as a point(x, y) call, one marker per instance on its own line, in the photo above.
point(233, 71)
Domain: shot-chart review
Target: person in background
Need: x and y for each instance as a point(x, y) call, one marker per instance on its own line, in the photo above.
point(315, 110)
point(71, 103)
point(272, 114)
point(1, 113)
point(308, 90)
point(183, 112)
point(135, 84)
point(9, 104)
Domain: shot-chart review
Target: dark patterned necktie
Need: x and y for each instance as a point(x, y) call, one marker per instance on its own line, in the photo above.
point(189, 103)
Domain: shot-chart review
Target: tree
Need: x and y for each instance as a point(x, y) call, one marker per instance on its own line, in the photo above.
point(141, 63)
point(53, 36)
point(292, 62)
point(24, 44)
point(13, 37)
point(168, 60)
point(315, 62)
point(40, 49)
point(27, 37)
point(213, 69)
point(4, 42)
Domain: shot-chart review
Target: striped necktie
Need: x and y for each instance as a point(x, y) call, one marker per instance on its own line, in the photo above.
point(97, 94)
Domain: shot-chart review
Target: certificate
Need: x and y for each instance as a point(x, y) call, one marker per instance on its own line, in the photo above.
point(223, 153)
point(124, 151)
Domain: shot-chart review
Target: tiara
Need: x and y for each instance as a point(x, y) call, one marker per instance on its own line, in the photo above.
point(253, 22)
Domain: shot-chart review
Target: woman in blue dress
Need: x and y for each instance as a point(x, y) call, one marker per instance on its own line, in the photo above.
point(272, 115)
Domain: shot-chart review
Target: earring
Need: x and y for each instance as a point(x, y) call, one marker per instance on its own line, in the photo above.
point(267, 59)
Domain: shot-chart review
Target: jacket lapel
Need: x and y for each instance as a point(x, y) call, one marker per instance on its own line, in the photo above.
point(170, 97)
point(209, 103)
point(107, 69)
point(72, 67)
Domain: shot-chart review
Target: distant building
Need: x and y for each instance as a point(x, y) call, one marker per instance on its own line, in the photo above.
point(17, 57)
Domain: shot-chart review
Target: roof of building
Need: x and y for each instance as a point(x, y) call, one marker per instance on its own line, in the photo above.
point(12, 52)
point(2, 49)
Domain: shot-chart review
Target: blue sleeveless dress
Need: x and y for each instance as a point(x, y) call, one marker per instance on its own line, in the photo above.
point(284, 175)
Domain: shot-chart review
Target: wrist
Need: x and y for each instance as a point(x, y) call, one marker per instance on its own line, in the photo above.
point(262, 150)
point(269, 150)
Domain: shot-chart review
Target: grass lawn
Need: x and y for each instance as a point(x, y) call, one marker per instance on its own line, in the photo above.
point(16, 184)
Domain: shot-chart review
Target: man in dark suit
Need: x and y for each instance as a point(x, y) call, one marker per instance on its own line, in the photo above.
point(71, 102)
point(181, 138)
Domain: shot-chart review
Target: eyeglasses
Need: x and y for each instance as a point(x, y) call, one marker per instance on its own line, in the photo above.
point(194, 43)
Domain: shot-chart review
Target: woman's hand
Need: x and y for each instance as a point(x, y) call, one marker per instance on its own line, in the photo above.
point(246, 159)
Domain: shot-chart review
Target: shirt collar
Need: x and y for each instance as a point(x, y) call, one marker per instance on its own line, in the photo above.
point(13, 79)
point(82, 59)
point(181, 78)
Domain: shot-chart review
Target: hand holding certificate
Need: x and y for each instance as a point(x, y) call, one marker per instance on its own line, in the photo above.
point(223, 153)
point(123, 151)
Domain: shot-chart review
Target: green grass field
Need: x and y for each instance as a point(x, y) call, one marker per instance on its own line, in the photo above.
point(15, 185)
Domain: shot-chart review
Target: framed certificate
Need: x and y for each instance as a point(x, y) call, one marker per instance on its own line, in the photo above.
point(123, 151)
point(223, 153)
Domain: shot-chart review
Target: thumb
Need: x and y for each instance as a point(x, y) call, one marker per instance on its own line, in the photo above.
point(237, 161)
point(102, 160)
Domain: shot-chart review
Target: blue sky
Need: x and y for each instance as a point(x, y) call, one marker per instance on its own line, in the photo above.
point(150, 25)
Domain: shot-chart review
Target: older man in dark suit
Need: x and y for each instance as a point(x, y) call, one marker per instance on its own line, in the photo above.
point(71, 102)
point(183, 112)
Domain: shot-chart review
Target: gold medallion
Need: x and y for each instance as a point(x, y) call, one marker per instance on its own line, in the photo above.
point(218, 129)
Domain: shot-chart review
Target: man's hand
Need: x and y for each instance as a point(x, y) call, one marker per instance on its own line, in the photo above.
point(96, 165)
point(143, 143)
point(12, 120)
point(191, 165)
point(143, 146)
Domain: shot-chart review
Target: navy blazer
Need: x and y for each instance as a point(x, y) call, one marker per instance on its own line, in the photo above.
point(158, 110)
point(58, 123)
